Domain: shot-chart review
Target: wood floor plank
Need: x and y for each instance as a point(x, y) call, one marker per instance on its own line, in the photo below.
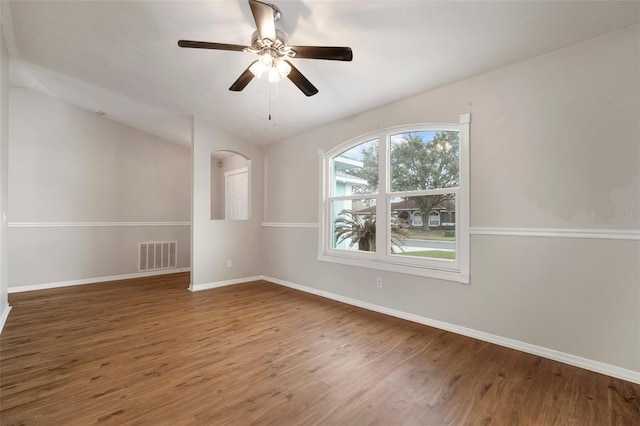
point(148, 351)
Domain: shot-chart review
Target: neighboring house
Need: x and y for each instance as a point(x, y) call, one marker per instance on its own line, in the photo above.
point(345, 181)
point(442, 215)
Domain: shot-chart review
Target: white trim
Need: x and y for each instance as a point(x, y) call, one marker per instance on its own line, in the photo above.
point(354, 197)
point(397, 266)
point(237, 171)
point(420, 193)
point(4, 316)
point(349, 161)
point(346, 179)
point(46, 286)
point(90, 224)
point(288, 225)
point(587, 364)
point(322, 193)
point(608, 234)
point(216, 284)
point(462, 203)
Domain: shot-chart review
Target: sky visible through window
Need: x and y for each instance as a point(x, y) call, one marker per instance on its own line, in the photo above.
point(355, 153)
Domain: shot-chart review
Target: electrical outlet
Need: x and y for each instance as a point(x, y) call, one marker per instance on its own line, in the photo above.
point(379, 282)
point(229, 264)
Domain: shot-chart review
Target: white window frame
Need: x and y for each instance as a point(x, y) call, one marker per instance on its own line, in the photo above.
point(452, 270)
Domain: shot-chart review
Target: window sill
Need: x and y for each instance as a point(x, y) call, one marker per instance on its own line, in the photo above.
point(449, 275)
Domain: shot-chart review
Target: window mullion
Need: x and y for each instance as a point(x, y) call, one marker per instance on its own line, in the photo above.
point(439, 191)
point(353, 197)
point(381, 201)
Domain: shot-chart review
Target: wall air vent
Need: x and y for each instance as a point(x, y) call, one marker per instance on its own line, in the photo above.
point(158, 255)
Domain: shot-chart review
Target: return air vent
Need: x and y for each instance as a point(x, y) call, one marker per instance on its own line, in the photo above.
point(154, 256)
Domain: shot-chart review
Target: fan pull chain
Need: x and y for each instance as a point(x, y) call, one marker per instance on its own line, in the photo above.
point(270, 100)
point(273, 102)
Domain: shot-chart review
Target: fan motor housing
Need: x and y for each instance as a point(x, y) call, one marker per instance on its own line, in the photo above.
point(281, 40)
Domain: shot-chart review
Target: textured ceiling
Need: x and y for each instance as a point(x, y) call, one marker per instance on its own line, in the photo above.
point(121, 57)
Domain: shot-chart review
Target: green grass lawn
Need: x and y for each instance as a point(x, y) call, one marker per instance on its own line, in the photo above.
point(437, 254)
point(436, 235)
point(430, 237)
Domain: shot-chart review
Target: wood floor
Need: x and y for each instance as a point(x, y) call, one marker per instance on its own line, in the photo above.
point(148, 351)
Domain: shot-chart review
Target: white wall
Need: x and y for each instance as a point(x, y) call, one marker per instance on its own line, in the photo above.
point(4, 148)
point(554, 144)
point(216, 241)
point(69, 166)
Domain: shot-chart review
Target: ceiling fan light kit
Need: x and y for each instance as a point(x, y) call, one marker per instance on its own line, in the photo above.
point(272, 47)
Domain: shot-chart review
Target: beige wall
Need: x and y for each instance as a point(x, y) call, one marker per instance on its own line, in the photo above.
point(4, 147)
point(216, 241)
point(554, 144)
point(71, 166)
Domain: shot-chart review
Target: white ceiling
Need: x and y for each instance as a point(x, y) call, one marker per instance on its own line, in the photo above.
point(121, 57)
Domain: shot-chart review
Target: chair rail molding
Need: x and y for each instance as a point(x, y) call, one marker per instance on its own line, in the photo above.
point(608, 234)
point(91, 224)
point(289, 225)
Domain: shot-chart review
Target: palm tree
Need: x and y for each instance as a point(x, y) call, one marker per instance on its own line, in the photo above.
point(362, 231)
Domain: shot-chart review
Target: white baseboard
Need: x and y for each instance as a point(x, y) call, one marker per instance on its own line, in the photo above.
point(216, 284)
point(4, 316)
point(587, 364)
point(46, 286)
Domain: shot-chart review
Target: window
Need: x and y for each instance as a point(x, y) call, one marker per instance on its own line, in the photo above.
point(397, 200)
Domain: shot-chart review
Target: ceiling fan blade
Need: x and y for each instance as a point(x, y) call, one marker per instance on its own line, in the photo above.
point(301, 81)
point(323, 52)
point(242, 81)
point(208, 45)
point(263, 14)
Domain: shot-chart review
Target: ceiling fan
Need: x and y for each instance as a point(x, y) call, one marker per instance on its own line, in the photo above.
point(273, 50)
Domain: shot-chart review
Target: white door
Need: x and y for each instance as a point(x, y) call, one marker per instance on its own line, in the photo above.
point(236, 196)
